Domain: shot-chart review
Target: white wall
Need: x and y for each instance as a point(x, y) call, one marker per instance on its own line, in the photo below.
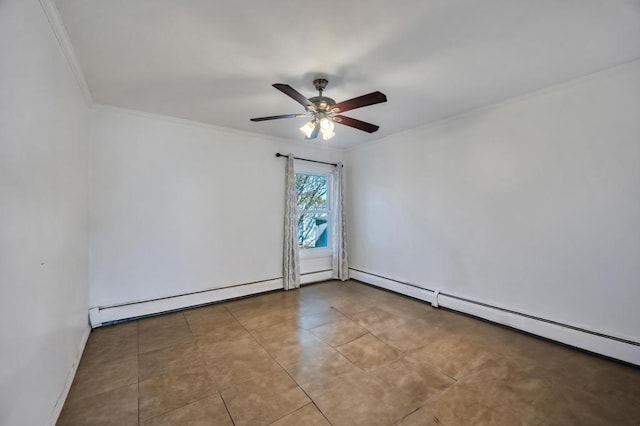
point(531, 205)
point(178, 207)
point(43, 217)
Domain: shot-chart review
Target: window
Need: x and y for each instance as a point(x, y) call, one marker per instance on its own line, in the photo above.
point(313, 210)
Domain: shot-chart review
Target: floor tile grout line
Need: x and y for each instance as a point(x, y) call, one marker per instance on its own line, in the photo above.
point(197, 343)
point(350, 341)
point(299, 386)
point(430, 364)
point(541, 369)
point(219, 392)
point(287, 373)
point(189, 326)
point(320, 411)
point(339, 352)
point(408, 414)
point(160, 349)
point(311, 402)
point(164, 413)
point(265, 349)
point(226, 407)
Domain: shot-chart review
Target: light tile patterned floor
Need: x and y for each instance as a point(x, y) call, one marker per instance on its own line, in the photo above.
point(342, 354)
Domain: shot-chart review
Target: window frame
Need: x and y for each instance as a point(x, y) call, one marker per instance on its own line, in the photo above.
point(326, 172)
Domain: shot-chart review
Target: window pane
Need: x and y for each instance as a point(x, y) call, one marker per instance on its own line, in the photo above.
point(312, 192)
point(313, 230)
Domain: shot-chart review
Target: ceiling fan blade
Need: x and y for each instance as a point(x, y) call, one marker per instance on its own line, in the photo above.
point(294, 94)
point(276, 117)
point(314, 134)
point(352, 122)
point(359, 102)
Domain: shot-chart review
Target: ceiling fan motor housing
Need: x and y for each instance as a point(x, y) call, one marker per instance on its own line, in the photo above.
point(322, 104)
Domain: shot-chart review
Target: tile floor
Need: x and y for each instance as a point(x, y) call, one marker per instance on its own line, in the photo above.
point(341, 354)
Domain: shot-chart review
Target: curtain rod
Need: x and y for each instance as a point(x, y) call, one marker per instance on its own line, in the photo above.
point(306, 159)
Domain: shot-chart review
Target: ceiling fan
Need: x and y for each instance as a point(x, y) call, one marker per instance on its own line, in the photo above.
point(324, 111)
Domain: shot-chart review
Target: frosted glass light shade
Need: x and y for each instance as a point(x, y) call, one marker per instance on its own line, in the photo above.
point(326, 127)
point(307, 129)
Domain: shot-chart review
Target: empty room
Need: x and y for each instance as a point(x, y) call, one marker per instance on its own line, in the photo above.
point(319, 213)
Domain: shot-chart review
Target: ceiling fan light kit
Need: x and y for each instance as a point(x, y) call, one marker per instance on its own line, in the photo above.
point(324, 111)
point(326, 128)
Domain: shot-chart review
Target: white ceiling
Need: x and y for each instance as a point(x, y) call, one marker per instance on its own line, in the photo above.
point(214, 61)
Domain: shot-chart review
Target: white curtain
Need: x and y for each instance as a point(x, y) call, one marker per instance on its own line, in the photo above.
point(291, 263)
point(339, 265)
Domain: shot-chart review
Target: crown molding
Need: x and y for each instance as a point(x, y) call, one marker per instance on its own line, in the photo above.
point(555, 88)
point(55, 21)
point(208, 126)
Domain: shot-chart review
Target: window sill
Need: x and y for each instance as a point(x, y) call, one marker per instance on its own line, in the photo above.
point(314, 253)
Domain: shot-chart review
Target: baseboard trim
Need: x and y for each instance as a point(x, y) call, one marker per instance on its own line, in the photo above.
point(314, 277)
point(390, 284)
point(609, 346)
point(100, 316)
point(104, 315)
point(71, 374)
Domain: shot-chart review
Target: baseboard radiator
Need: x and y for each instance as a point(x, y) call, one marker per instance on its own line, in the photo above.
point(602, 344)
point(111, 314)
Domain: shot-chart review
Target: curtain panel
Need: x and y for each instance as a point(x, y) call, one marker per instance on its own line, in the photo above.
point(291, 259)
point(339, 264)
